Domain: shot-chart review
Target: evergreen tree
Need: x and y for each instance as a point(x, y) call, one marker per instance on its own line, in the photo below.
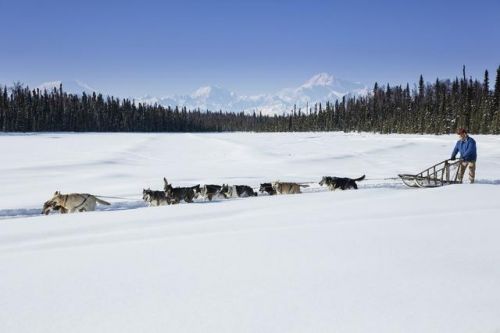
point(421, 86)
point(486, 84)
point(497, 88)
point(496, 105)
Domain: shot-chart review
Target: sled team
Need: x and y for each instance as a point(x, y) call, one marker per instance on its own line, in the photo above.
point(82, 202)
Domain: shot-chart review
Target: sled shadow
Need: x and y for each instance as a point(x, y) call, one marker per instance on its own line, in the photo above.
point(488, 181)
point(394, 186)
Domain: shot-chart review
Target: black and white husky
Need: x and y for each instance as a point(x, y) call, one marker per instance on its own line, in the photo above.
point(210, 191)
point(268, 188)
point(334, 183)
point(177, 194)
point(155, 198)
point(237, 191)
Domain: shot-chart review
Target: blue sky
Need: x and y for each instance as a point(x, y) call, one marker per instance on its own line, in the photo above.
point(132, 48)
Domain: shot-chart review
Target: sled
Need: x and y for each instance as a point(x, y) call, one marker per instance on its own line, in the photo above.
point(440, 174)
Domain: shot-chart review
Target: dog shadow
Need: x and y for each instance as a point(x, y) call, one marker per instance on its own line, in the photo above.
point(122, 205)
point(17, 213)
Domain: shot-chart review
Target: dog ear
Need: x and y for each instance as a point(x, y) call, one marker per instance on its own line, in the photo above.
point(165, 180)
point(56, 193)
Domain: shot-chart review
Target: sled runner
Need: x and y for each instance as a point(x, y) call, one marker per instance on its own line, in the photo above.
point(443, 173)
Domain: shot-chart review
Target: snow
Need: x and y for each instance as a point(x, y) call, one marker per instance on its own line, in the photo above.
point(385, 258)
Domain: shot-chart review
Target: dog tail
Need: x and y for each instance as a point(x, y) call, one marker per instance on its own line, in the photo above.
point(359, 179)
point(303, 185)
point(102, 202)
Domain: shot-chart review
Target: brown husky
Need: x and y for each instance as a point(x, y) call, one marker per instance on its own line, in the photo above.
point(49, 206)
point(287, 188)
point(73, 202)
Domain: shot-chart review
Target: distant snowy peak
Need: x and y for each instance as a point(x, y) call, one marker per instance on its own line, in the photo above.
point(203, 92)
point(211, 92)
point(70, 86)
point(321, 79)
point(320, 88)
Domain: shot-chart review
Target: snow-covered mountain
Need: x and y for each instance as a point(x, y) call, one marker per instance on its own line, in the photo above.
point(320, 88)
point(69, 86)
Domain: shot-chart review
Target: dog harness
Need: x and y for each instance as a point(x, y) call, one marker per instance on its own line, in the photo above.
point(84, 200)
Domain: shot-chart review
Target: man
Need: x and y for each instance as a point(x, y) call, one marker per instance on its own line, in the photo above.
point(466, 146)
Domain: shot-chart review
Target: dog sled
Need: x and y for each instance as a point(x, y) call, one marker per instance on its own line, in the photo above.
point(440, 174)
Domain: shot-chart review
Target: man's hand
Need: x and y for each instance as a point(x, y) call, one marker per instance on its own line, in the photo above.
point(453, 158)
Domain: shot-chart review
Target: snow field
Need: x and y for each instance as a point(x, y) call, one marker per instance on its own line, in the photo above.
point(382, 259)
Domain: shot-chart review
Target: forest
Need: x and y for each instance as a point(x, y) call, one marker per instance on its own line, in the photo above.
point(438, 107)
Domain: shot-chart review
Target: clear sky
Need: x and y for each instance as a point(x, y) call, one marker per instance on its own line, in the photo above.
point(132, 48)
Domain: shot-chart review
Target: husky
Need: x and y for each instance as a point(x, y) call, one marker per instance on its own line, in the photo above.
point(155, 198)
point(197, 191)
point(334, 183)
point(210, 191)
point(268, 188)
point(287, 188)
point(73, 202)
point(237, 191)
point(176, 194)
point(50, 206)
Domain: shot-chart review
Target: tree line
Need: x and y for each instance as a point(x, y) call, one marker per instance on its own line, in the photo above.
point(434, 108)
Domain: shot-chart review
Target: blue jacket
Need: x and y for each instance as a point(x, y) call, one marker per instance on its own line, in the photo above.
point(466, 148)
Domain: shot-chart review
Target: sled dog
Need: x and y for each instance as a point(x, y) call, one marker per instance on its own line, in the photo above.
point(268, 188)
point(210, 191)
point(50, 206)
point(237, 191)
point(287, 188)
point(73, 202)
point(176, 194)
point(334, 183)
point(155, 198)
point(197, 191)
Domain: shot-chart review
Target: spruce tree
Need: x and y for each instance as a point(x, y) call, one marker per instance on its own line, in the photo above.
point(497, 89)
point(486, 83)
point(421, 87)
point(496, 105)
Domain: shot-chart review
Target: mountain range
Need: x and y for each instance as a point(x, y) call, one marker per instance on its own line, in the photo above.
point(320, 88)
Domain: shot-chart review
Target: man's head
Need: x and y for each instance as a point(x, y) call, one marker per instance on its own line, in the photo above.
point(462, 133)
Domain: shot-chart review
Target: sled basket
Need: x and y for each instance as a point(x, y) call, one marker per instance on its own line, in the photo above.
point(443, 173)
